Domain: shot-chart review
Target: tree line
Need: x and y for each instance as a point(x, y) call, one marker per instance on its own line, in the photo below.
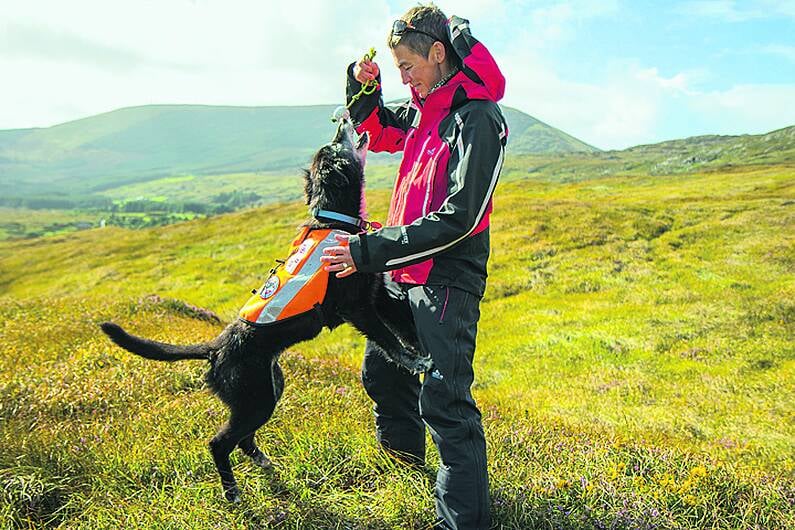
point(220, 203)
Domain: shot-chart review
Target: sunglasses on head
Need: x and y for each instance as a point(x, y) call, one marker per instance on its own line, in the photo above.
point(400, 27)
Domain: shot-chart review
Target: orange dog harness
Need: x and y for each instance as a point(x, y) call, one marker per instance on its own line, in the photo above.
point(295, 286)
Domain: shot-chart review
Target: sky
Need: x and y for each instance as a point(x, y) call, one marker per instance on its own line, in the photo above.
point(611, 73)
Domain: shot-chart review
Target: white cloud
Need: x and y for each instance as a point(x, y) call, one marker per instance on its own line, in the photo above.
point(72, 59)
point(721, 9)
point(634, 101)
point(781, 50)
point(617, 113)
point(547, 25)
point(747, 108)
point(678, 82)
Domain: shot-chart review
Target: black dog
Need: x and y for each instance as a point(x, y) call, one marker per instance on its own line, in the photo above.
point(244, 371)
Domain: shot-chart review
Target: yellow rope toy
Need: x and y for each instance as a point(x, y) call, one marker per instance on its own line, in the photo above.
point(343, 112)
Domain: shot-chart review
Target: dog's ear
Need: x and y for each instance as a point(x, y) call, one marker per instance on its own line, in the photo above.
point(307, 186)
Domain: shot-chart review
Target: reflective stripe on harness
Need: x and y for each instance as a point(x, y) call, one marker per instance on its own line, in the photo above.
point(297, 286)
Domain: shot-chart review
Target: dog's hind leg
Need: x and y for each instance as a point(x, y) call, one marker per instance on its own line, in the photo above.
point(221, 447)
point(247, 444)
point(237, 429)
point(263, 384)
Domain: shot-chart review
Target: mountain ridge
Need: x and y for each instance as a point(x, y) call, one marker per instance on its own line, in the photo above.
point(152, 141)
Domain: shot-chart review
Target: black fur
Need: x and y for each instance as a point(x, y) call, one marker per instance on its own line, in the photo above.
point(244, 370)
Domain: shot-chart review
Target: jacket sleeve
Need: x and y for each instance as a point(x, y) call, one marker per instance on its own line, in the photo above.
point(473, 168)
point(387, 125)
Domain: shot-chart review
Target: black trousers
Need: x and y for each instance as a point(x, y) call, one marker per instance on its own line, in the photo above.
point(446, 319)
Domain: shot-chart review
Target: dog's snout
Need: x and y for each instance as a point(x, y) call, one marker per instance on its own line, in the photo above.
point(345, 133)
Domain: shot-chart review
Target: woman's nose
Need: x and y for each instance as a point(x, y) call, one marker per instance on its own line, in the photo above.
point(405, 77)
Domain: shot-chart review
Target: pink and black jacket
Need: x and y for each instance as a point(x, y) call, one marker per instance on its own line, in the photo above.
point(453, 144)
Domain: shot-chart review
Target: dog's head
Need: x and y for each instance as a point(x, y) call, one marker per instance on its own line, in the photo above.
point(335, 179)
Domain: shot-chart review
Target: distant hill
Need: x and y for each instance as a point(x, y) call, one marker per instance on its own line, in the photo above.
point(675, 156)
point(688, 155)
point(531, 136)
point(142, 143)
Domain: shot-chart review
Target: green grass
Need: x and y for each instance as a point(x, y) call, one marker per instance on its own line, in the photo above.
point(182, 191)
point(165, 194)
point(635, 368)
point(23, 222)
point(271, 186)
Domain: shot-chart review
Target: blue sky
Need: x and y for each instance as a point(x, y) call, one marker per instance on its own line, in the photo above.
point(612, 73)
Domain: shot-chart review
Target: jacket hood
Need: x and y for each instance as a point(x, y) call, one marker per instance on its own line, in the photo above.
point(479, 76)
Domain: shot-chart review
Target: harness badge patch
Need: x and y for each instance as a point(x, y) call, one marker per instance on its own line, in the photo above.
point(296, 287)
point(270, 287)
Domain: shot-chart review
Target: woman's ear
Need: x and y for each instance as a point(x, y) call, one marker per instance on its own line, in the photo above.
point(438, 53)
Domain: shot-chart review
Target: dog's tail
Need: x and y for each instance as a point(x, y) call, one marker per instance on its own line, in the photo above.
point(150, 349)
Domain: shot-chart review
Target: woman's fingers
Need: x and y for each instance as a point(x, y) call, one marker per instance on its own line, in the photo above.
point(338, 259)
point(371, 68)
point(365, 71)
point(333, 256)
point(346, 272)
point(331, 253)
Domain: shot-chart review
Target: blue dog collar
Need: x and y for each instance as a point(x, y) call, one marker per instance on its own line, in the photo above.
point(355, 221)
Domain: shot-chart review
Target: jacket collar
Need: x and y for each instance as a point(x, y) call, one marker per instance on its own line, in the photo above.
point(478, 77)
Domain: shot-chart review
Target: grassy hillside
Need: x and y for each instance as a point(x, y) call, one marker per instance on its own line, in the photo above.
point(689, 154)
point(158, 201)
point(635, 368)
point(676, 157)
point(23, 222)
point(165, 200)
point(140, 144)
point(531, 136)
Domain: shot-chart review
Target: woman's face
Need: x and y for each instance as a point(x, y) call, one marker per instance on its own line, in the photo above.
point(418, 71)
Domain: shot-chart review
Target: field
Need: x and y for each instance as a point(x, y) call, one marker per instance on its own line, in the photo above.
point(24, 222)
point(162, 201)
point(635, 367)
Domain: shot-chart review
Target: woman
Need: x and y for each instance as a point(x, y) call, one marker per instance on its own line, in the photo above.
point(436, 244)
